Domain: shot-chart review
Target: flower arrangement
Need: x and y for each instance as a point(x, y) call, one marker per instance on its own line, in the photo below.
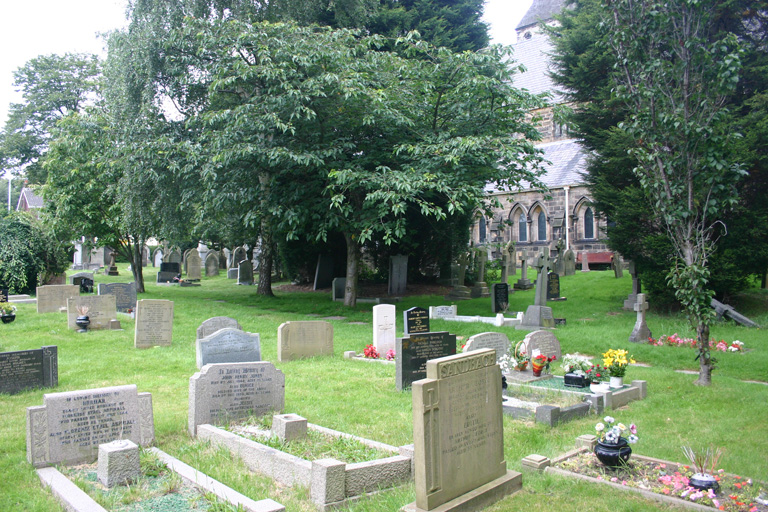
point(542, 362)
point(616, 361)
point(82, 310)
point(704, 460)
point(516, 360)
point(6, 308)
point(675, 340)
point(371, 352)
point(608, 433)
point(573, 363)
point(596, 373)
point(390, 354)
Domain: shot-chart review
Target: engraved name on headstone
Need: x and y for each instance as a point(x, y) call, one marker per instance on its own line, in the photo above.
point(495, 340)
point(154, 323)
point(228, 346)
point(125, 294)
point(51, 298)
point(29, 369)
point(296, 340)
point(415, 320)
point(414, 351)
point(101, 309)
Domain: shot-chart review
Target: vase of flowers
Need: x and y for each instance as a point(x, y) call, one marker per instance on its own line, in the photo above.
point(704, 461)
point(540, 363)
point(7, 312)
point(576, 367)
point(616, 362)
point(612, 447)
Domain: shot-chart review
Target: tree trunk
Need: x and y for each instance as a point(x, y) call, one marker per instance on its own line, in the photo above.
point(136, 268)
point(266, 258)
point(353, 257)
point(705, 359)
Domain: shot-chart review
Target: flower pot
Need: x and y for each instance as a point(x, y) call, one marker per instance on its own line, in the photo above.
point(83, 322)
point(703, 482)
point(599, 387)
point(537, 369)
point(617, 382)
point(613, 455)
point(521, 366)
point(6, 319)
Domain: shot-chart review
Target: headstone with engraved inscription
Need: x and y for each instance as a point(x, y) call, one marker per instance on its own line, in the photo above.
point(297, 340)
point(415, 320)
point(154, 323)
point(384, 328)
point(125, 295)
point(29, 369)
point(499, 297)
point(414, 351)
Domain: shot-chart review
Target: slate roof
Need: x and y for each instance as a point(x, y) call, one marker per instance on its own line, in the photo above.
point(540, 10)
point(533, 54)
point(33, 200)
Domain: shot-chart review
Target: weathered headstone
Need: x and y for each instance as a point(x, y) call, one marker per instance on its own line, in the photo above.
point(414, 351)
point(171, 267)
point(101, 310)
point(415, 320)
point(458, 435)
point(499, 297)
point(239, 255)
point(629, 303)
point(559, 268)
point(228, 345)
point(443, 311)
point(125, 294)
point(337, 288)
point(523, 283)
point(553, 287)
point(584, 261)
point(617, 265)
point(194, 266)
point(495, 340)
point(398, 274)
point(384, 328)
point(69, 427)
point(144, 256)
point(296, 340)
point(154, 323)
point(212, 264)
point(245, 273)
point(185, 259)
point(78, 278)
point(569, 262)
point(539, 315)
point(118, 463)
point(29, 369)
point(459, 291)
point(641, 332)
point(542, 342)
point(216, 323)
point(324, 271)
point(174, 257)
point(112, 269)
point(157, 257)
point(51, 298)
point(220, 393)
point(480, 288)
point(232, 273)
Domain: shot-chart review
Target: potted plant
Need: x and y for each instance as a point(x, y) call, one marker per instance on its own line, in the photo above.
point(616, 362)
point(612, 447)
point(370, 352)
point(82, 321)
point(576, 367)
point(7, 312)
point(540, 363)
point(704, 461)
point(596, 375)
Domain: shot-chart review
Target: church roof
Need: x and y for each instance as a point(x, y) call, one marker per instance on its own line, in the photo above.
point(541, 10)
point(533, 54)
point(29, 197)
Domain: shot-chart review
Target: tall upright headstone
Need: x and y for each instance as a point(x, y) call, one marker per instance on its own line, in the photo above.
point(157, 257)
point(384, 328)
point(297, 340)
point(245, 272)
point(584, 261)
point(539, 315)
point(337, 288)
point(560, 261)
point(112, 269)
point(480, 288)
point(500, 297)
point(523, 283)
point(154, 323)
point(641, 332)
point(629, 303)
point(194, 266)
point(569, 261)
point(553, 287)
point(174, 257)
point(458, 435)
point(212, 264)
point(617, 265)
point(239, 255)
point(459, 291)
point(398, 274)
point(144, 256)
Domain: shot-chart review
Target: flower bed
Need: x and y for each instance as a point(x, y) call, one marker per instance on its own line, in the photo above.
point(676, 341)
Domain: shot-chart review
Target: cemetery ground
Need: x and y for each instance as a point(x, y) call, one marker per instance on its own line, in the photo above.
point(360, 399)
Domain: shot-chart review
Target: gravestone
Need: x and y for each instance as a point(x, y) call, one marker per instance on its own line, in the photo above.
point(29, 369)
point(398, 274)
point(78, 278)
point(157, 257)
point(154, 323)
point(212, 325)
point(523, 283)
point(125, 295)
point(69, 427)
point(641, 332)
point(51, 298)
point(542, 342)
point(223, 256)
point(584, 261)
point(185, 260)
point(480, 288)
point(496, 340)
point(245, 273)
point(629, 303)
point(337, 288)
point(228, 345)
point(553, 287)
point(459, 291)
point(3, 294)
point(323, 272)
point(499, 297)
point(239, 255)
point(144, 256)
point(507, 258)
point(539, 315)
point(171, 267)
point(194, 266)
point(101, 310)
point(112, 269)
point(384, 328)
point(414, 351)
point(212, 264)
point(617, 265)
point(443, 311)
point(232, 273)
point(569, 262)
point(166, 277)
point(174, 257)
point(297, 340)
point(458, 435)
point(415, 320)
point(220, 393)
point(560, 261)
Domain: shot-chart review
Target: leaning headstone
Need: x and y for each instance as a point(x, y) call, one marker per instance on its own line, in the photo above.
point(154, 323)
point(245, 273)
point(101, 310)
point(553, 287)
point(216, 323)
point(384, 328)
point(211, 264)
point(324, 271)
point(51, 298)
point(125, 295)
point(499, 297)
point(414, 351)
point(398, 274)
point(29, 369)
point(496, 340)
point(194, 266)
point(584, 261)
point(220, 393)
point(228, 345)
point(296, 340)
point(523, 283)
point(443, 311)
point(617, 265)
point(415, 320)
point(69, 427)
point(542, 342)
point(569, 262)
point(641, 332)
point(337, 288)
point(458, 435)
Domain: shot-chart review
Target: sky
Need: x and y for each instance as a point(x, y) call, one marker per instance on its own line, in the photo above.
point(42, 27)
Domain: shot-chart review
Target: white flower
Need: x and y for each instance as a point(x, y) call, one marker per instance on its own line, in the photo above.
point(611, 437)
point(599, 427)
point(632, 439)
point(609, 419)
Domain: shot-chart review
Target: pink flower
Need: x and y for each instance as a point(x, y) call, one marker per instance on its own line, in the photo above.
point(633, 428)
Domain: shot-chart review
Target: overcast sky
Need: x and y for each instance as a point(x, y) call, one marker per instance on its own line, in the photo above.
point(41, 27)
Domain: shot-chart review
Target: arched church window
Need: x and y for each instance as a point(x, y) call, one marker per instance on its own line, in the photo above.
point(589, 223)
point(542, 225)
point(522, 228)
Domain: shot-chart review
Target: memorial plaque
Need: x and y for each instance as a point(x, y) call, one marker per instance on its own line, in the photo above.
point(495, 340)
point(212, 325)
point(384, 328)
point(29, 369)
point(220, 393)
point(296, 340)
point(500, 297)
point(172, 267)
point(51, 298)
point(542, 342)
point(154, 323)
point(458, 432)
point(415, 320)
point(101, 310)
point(69, 427)
point(443, 311)
point(414, 351)
point(553, 286)
point(228, 345)
point(125, 295)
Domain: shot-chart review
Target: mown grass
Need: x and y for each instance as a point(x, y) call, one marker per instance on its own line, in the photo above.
point(360, 398)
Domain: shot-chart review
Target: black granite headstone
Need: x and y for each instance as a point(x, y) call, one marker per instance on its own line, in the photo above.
point(553, 287)
point(500, 297)
point(171, 266)
point(324, 271)
point(86, 284)
point(415, 320)
point(414, 351)
point(29, 369)
point(166, 277)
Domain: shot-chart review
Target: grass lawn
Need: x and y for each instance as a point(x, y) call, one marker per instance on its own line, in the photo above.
point(360, 398)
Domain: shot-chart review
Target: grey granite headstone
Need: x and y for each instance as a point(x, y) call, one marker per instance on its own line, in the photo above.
point(443, 311)
point(171, 267)
point(51, 298)
point(154, 323)
point(125, 294)
point(296, 340)
point(212, 264)
point(495, 340)
point(101, 310)
point(553, 287)
point(414, 351)
point(216, 323)
point(398, 274)
point(641, 332)
point(69, 427)
point(219, 393)
point(245, 273)
point(29, 369)
point(542, 342)
point(228, 345)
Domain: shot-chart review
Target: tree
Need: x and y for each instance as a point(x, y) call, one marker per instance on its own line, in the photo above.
point(675, 73)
